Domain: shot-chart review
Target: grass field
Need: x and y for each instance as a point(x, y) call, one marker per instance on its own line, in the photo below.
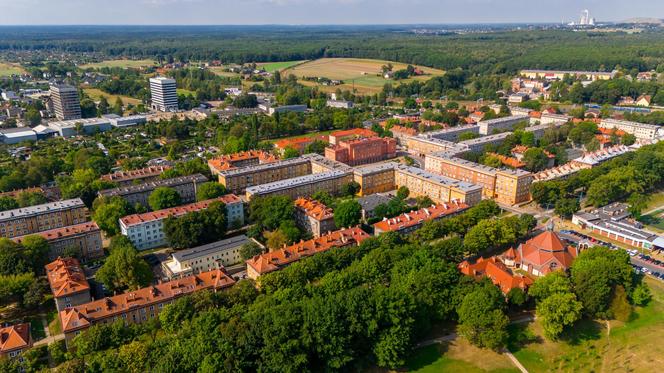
point(361, 74)
point(8, 69)
point(95, 94)
point(589, 347)
point(186, 92)
point(310, 134)
point(458, 356)
point(654, 221)
point(274, 66)
point(219, 70)
point(119, 63)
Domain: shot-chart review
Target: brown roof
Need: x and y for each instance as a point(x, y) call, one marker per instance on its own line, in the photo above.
point(355, 132)
point(277, 259)
point(63, 232)
point(227, 162)
point(313, 208)
point(177, 211)
point(413, 218)
point(495, 270)
point(404, 130)
point(299, 142)
point(82, 316)
point(544, 249)
point(66, 277)
point(14, 337)
point(508, 161)
point(135, 174)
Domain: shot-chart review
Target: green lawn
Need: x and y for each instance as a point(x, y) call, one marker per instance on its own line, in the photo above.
point(274, 66)
point(53, 323)
point(655, 221)
point(8, 69)
point(457, 356)
point(119, 63)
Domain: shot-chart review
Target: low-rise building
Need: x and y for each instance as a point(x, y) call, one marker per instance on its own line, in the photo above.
point(39, 218)
point(278, 259)
point(118, 121)
point(74, 127)
point(215, 255)
point(339, 104)
point(408, 222)
point(12, 136)
point(497, 272)
point(300, 144)
point(146, 230)
point(362, 151)
point(185, 186)
point(313, 216)
point(68, 284)
point(303, 186)
point(85, 238)
point(132, 177)
point(541, 255)
point(140, 305)
point(559, 74)
point(370, 202)
point(14, 340)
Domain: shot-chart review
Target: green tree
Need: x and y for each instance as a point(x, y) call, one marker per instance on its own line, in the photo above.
point(8, 203)
point(350, 189)
point(124, 269)
point(249, 250)
point(566, 207)
point(481, 317)
point(163, 198)
point(558, 311)
point(26, 199)
point(403, 192)
point(290, 152)
point(641, 295)
point(35, 250)
point(535, 159)
point(347, 214)
point(553, 283)
point(209, 190)
point(117, 106)
point(269, 212)
point(107, 214)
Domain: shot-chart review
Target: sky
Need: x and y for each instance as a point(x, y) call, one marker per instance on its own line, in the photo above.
point(258, 12)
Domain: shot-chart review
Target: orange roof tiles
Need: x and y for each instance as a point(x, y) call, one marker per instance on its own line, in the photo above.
point(299, 143)
point(508, 161)
point(66, 277)
point(177, 211)
point(546, 248)
point(278, 259)
point(611, 131)
point(313, 208)
point(355, 132)
point(535, 114)
point(227, 162)
point(404, 130)
point(135, 174)
point(497, 272)
point(15, 337)
point(68, 231)
point(407, 220)
point(82, 316)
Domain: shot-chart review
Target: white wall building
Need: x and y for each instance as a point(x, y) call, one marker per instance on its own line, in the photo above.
point(205, 258)
point(164, 94)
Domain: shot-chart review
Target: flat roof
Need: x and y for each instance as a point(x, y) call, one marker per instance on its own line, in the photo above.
point(84, 121)
point(263, 166)
point(368, 170)
point(439, 179)
point(131, 189)
point(296, 181)
point(205, 250)
point(511, 118)
point(484, 139)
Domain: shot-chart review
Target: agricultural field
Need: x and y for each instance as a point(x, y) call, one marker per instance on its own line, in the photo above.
point(119, 63)
point(361, 74)
point(278, 66)
point(95, 94)
point(8, 69)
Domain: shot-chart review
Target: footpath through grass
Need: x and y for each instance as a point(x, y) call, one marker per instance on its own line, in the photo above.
point(458, 356)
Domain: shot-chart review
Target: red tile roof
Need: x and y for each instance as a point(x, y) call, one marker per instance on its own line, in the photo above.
point(82, 316)
point(66, 277)
point(499, 274)
point(508, 161)
point(313, 208)
point(177, 211)
point(545, 249)
point(413, 218)
point(135, 174)
point(300, 142)
point(63, 232)
point(15, 337)
point(277, 259)
point(355, 132)
point(226, 162)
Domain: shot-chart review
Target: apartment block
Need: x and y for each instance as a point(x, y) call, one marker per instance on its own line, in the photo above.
point(375, 179)
point(487, 127)
point(68, 284)
point(314, 217)
point(362, 151)
point(238, 160)
point(164, 94)
point(146, 231)
point(215, 255)
point(303, 186)
point(85, 238)
point(186, 187)
point(132, 177)
point(321, 164)
point(558, 75)
point(439, 188)
point(452, 133)
point(66, 103)
point(420, 145)
point(138, 306)
point(478, 144)
point(641, 131)
point(513, 186)
point(408, 222)
point(279, 259)
point(39, 218)
point(238, 180)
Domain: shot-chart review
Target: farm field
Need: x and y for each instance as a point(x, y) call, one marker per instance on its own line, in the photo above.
point(219, 70)
point(8, 69)
point(362, 74)
point(95, 94)
point(119, 63)
point(274, 66)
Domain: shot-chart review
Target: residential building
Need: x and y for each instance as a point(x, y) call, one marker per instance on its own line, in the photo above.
point(558, 75)
point(68, 284)
point(408, 222)
point(488, 127)
point(239, 160)
point(439, 188)
point(339, 104)
point(351, 134)
point(140, 305)
point(75, 127)
point(592, 159)
point(615, 222)
point(164, 94)
point(641, 131)
point(215, 255)
point(14, 340)
point(146, 231)
point(478, 144)
point(303, 186)
point(362, 151)
point(185, 186)
point(65, 101)
point(421, 145)
point(370, 202)
point(39, 218)
point(84, 237)
point(278, 259)
point(497, 272)
point(239, 179)
point(300, 144)
point(375, 178)
point(402, 134)
point(452, 133)
point(133, 177)
point(541, 255)
point(313, 216)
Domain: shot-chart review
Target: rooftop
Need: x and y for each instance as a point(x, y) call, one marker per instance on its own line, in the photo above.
point(50, 207)
point(439, 179)
point(413, 218)
point(135, 174)
point(14, 337)
point(314, 209)
point(135, 219)
point(226, 162)
point(358, 132)
point(205, 250)
point(64, 232)
point(296, 181)
point(149, 186)
point(263, 167)
point(66, 277)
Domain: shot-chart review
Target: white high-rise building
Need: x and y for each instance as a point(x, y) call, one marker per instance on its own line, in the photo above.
point(164, 94)
point(65, 102)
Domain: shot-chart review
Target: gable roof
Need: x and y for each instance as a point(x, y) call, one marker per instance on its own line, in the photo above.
point(497, 272)
point(14, 337)
point(66, 277)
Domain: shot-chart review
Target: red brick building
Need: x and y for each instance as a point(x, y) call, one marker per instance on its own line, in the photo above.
point(362, 151)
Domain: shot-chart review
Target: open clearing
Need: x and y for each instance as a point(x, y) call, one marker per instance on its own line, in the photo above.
point(95, 94)
point(458, 356)
point(362, 74)
point(119, 63)
point(8, 69)
point(274, 66)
